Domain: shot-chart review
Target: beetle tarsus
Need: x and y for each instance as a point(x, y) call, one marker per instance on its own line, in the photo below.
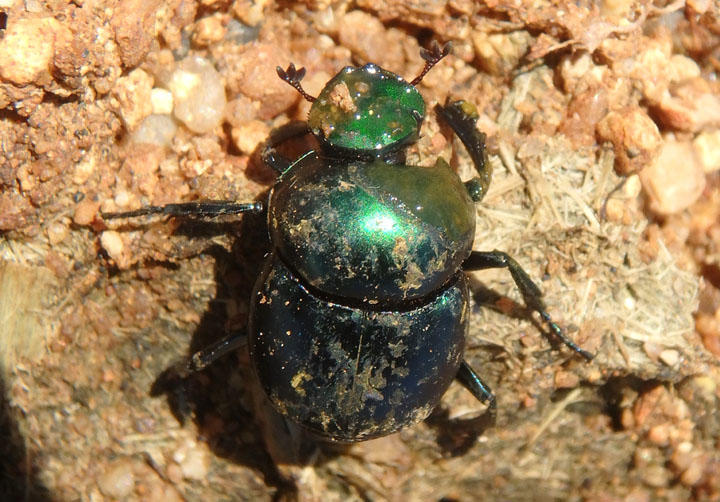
point(558, 332)
point(481, 260)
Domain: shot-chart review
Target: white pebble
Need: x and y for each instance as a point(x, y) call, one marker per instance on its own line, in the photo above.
point(57, 232)
point(112, 242)
point(249, 135)
point(122, 198)
point(198, 94)
point(162, 101)
point(707, 145)
point(675, 180)
point(670, 357)
point(155, 130)
point(193, 459)
point(118, 481)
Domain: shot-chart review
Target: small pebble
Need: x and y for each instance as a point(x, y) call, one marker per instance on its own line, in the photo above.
point(499, 53)
point(162, 101)
point(675, 180)
point(632, 186)
point(118, 480)
point(690, 106)
point(656, 476)
point(85, 212)
point(84, 169)
point(28, 47)
point(133, 93)
point(122, 198)
point(248, 136)
point(699, 6)
point(57, 232)
point(160, 492)
point(241, 33)
point(155, 130)
point(635, 138)
point(193, 459)
point(174, 473)
point(208, 30)
point(682, 456)
point(112, 242)
point(670, 357)
point(637, 494)
point(250, 13)
point(659, 434)
point(707, 146)
point(254, 76)
point(693, 474)
point(198, 94)
point(682, 68)
point(708, 327)
point(566, 380)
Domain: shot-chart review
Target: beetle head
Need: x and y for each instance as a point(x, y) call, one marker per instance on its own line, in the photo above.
point(367, 112)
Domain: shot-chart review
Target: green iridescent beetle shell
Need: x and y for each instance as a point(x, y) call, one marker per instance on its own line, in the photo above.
point(372, 231)
point(367, 110)
point(352, 373)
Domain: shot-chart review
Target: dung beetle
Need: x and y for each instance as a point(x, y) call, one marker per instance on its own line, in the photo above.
point(358, 318)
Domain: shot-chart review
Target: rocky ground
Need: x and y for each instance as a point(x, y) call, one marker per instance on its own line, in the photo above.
point(603, 123)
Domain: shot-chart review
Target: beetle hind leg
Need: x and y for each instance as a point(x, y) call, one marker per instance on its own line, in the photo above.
point(480, 260)
point(473, 383)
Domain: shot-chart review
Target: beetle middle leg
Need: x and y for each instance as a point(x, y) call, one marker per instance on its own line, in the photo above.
point(199, 209)
point(205, 357)
point(480, 260)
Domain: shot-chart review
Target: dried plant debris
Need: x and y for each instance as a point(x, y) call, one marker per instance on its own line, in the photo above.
point(26, 296)
point(603, 124)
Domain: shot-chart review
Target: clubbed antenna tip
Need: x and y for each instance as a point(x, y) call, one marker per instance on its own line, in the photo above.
point(432, 57)
point(293, 77)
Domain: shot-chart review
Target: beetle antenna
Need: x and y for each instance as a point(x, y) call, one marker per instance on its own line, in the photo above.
point(293, 77)
point(432, 57)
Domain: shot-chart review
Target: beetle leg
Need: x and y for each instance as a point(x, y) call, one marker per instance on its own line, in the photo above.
point(461, 117)
point(472, 382)
point(203, 358)
point(271, 156)
point(480, 260)
point(202, 209)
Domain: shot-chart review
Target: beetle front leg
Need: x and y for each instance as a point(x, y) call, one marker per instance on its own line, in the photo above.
point(480, 260)
point(270, 156)
point(461, 117)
